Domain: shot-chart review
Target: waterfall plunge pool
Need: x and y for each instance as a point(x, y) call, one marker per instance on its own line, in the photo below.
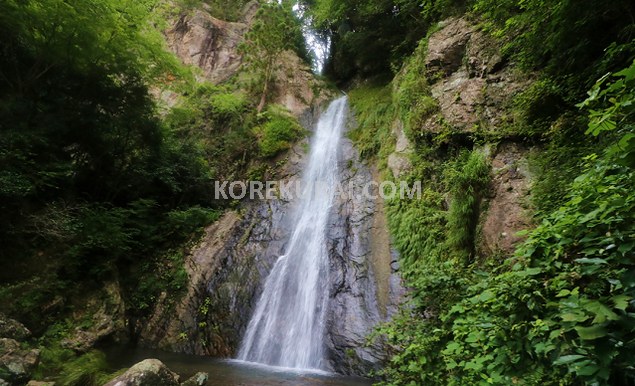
point(229, 372)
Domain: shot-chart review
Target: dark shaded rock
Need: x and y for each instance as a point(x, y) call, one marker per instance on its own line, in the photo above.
point(106, 310)
point(10, 328)
point(150, 372)
point(198, 379)
point(16, 364)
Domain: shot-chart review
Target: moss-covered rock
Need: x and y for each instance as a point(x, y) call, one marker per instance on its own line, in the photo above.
point(150, 372)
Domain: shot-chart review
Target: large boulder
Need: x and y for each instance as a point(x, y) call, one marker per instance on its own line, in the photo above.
point(150, 372)
point(13, 329)
point(471, 83)
point(16, 363)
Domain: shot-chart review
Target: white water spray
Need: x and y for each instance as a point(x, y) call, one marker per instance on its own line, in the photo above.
point(287, 327)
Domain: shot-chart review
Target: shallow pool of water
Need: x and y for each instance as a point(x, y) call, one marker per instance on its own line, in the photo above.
point(227, 372)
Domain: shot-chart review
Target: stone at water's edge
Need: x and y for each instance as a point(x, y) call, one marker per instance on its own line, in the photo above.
point(150, 372)
point(198, 379)
point(16, 364)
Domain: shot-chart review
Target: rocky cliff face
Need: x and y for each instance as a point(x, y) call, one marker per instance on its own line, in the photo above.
point(201, 40)
point(365, 288)
point(226, 273)
point(228, 267)
point(473, 88)
point(211, 44)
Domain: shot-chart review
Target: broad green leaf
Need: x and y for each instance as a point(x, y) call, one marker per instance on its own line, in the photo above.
point(566, 359)
point(591, 333)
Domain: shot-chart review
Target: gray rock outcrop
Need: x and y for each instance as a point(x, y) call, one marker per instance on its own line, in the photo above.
point(365, 289)
point(211, 44)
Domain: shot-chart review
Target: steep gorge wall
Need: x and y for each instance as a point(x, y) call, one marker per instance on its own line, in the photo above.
point(228, 266)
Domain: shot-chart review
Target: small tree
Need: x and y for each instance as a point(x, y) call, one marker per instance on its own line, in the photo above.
point(273, 31)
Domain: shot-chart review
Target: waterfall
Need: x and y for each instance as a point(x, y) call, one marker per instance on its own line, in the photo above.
point(287, 327)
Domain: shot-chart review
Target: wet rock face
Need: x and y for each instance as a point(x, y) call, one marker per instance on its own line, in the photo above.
point(226, 273)
point(364, 287)
point(150, 372)
point(228, 268)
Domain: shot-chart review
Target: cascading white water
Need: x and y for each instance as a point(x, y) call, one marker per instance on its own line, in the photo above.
point(287, 327)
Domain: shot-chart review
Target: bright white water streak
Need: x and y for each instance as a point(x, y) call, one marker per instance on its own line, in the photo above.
point(287, 327)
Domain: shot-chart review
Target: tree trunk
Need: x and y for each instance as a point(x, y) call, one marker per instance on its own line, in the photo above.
point(265, 88)
point(263, 97)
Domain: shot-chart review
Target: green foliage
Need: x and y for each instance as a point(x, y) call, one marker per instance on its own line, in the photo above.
point(371, 38)
point(535, 108)
point(467, 181)
point(81, 36)
point(229, 10)
point(412, 92)
point(560, 311)
point(616, 112)
point(374, 112)
point(562, 36)
point(417, 227)
point(90, 369)
point(67, 367)
point(216, 121)
point(274, 30)
point(278, 132)
point(95, 180)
